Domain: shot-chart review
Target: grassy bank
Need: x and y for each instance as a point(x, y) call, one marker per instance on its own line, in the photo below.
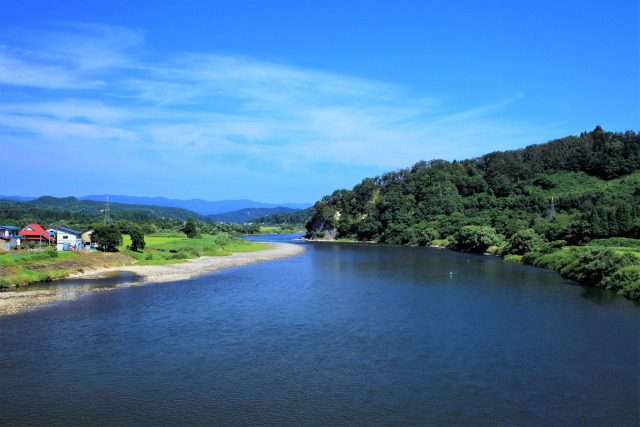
point(168, 248)
point(599, 263)
point(23, 268)
point(281, 230)
point(612, 263)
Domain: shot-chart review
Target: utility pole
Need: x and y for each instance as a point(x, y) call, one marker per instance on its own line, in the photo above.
point(107, 217)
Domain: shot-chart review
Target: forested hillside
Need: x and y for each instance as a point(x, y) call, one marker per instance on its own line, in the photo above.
point(568, 191)
point(20, 214)
point(297, 218)
point(245, 215)
point(74, 206)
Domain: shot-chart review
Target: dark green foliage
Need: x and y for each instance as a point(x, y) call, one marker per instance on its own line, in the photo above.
point(616, 242)
point(472, 238)
point(509, 191)
point(137, 238)
point(255, 214)
point(523, 241)
point(593, 265)
point(298, 218)
point(625, 281)
point(107, 237)
point(190, 228)
point(594, 180)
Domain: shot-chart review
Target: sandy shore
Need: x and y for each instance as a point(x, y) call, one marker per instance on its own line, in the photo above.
point(16, 301)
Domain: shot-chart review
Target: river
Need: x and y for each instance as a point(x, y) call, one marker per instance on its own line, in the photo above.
point(344, 334)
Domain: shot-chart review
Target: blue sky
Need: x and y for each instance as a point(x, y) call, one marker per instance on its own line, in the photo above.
point(286, 101)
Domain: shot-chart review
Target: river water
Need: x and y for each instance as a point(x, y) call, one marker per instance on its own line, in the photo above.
point(344, 334)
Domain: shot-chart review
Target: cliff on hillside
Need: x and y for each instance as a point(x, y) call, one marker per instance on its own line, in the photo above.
point(323, 229)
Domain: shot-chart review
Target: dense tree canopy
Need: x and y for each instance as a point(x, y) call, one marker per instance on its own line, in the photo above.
point(137, 238)
point(594, 180)
point(190, 228)
point(107, 237)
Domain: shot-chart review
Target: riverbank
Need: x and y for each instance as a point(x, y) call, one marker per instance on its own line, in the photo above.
point(17, 301)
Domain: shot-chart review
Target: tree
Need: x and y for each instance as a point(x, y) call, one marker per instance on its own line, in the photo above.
point(190, 228)
point(137, 238)
point(522, 242)
point(473, 238)
point(108, 237)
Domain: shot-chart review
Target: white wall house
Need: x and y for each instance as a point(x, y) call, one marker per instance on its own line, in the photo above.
point(9, 237)
point(68, 239)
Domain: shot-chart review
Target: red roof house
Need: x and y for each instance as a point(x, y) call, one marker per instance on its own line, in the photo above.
point(35, 232)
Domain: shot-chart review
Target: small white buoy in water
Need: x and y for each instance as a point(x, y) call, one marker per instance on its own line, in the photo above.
point(451, 273)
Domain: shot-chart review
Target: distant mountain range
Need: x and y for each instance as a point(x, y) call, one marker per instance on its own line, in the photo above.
point(246, 215)
point(202, 207)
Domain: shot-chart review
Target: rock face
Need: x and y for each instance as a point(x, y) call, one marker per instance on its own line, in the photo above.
point(318, 227)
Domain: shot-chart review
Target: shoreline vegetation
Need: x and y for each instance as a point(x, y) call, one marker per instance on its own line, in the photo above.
point(24, 299)
point(610, 264)
point(571, 205)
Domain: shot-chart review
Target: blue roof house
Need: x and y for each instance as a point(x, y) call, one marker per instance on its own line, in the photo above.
point(68, 239)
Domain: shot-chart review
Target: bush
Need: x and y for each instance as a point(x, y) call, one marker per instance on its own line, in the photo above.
point(514, 259)
point(594, 265)
point(473, 238)
point(522, 242)
point(625, 281)
point(46, 254)
point(223, 239)
point(179, 255)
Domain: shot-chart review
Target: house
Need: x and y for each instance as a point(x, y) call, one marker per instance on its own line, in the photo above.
point(68, 239)
point(35, 233)
point(86, 238)
point(9, 237)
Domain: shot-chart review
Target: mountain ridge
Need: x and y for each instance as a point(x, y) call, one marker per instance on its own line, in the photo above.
point(200, 206)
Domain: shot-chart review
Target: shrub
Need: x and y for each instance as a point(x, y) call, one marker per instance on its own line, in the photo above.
point(594, 265)
point(514, 259)
point(46, 254)
point(223, 239)
point(522, 242)
point(179, 255)
point(473, 238)
point(625, 281)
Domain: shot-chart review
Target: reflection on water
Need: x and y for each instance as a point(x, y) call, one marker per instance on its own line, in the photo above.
point(71, 286)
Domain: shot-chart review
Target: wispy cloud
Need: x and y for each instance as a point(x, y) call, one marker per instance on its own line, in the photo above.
point(105, 93)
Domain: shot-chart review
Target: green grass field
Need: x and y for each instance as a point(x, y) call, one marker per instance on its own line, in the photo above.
point(167, 248)
point(161, 248)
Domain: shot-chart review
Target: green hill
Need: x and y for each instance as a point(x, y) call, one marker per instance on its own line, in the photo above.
point(246, 215)
point(92, 209)
point(297, 218)
point(568, 191)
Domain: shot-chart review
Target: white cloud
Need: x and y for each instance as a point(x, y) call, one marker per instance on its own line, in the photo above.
point(200, 112)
